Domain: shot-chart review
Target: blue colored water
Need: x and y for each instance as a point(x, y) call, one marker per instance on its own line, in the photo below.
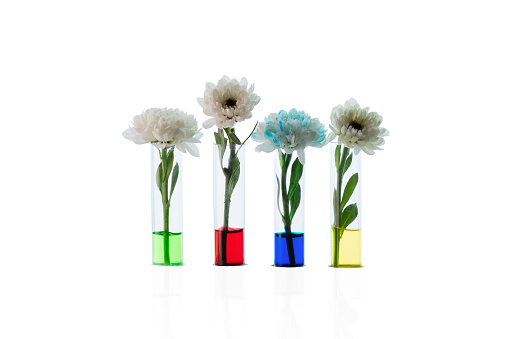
point(281, 249)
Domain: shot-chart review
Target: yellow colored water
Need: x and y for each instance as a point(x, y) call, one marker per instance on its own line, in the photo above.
point(349, 248)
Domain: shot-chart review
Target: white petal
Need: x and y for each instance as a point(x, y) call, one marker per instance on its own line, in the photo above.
point(193, 150)
point(269, 148)
point(300, 154)
point(209, 123)
point(228, 123)
point(128, 134)
point(140, 141)
point(201, 102)
point(383, 132)
point(330, 137)
point(315, 144)
point(265, 147)
point(352, 102)
point(258, 136)
point(225, 78)
point(259, 148)
point(368, 151)
point(181, 148)
point(198, 135)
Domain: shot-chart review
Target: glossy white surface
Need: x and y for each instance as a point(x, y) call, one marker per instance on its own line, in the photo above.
point(75, 234)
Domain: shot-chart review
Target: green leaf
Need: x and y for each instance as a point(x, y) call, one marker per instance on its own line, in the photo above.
point(174, 178)
point(278, 194)
point(337, 155)
point(341, 167)
point(349, 188)
point(347, 163)
point(168, 164)
point(349, 215)
point(218, 138)
point(297, 169)
point(222, 150)
point(234, 177)
point(221, 145)
point(282, 158)
point(295, 201)
point(233, 138)
point(335, 203)
point(159, 177)
point(238, 150)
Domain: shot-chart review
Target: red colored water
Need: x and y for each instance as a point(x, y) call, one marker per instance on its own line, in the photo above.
point(234, 246)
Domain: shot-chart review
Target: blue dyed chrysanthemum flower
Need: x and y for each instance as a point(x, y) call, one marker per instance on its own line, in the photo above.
point(292, 131)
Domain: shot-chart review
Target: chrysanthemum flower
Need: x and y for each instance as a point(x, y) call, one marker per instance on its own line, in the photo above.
point(228, 102)
point(357, 128)
point(292, 131)
point(165, 127)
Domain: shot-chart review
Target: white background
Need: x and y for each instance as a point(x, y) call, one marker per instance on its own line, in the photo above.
point(75, 241)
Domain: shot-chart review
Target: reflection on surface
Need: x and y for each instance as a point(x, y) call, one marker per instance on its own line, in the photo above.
point(166, 300)
point(229, 306)
point(346, 289)
point(289, 287)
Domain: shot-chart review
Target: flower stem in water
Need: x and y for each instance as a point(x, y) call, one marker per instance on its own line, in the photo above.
point(227, 202)
point(166, 208)
point(286, 208)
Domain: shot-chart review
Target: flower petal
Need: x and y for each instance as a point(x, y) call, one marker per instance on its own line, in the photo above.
point(259, 148)
point(193, 140)
point(357, 128)
point(289, 131)
point(216, 95)
point(128, 134)
point(302, 158)
point(193, 150)
point(181, 148)
point(163, 127)
point(209, 123)
point(330, 137)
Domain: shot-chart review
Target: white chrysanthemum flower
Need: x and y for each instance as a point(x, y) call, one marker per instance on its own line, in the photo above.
point(292, 131)
point(228, 102)
point(165, 127)
point(357, 128)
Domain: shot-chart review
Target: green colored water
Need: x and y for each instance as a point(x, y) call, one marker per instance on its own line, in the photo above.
point(174, 249)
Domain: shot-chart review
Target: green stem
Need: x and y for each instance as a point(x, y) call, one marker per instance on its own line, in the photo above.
point(166, 209)
point(286, 207)
point(231, 162)
point(336, 234)
point(226, 218)
point(335, 246)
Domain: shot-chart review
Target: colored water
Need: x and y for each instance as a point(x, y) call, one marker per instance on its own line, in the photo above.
point(281, 257)
point(174, 248)
point(234, 246)
point(348, 249)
